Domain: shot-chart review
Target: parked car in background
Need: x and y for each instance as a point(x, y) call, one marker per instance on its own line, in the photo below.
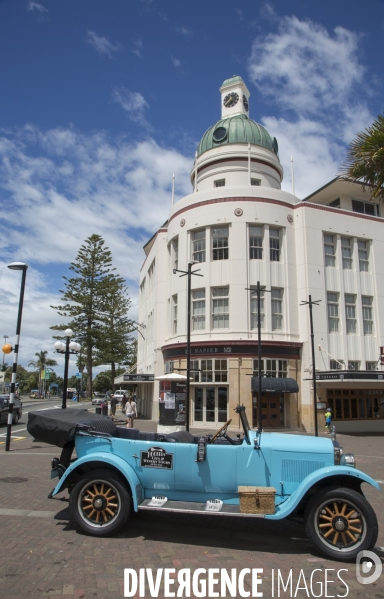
point(98, 398)
point(4, 408)
point(119, 395)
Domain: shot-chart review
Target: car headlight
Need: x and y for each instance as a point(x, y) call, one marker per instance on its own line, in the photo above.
point(338, 452)
point(348, 459)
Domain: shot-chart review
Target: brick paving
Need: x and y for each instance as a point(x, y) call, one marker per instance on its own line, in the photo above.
point(42, 554)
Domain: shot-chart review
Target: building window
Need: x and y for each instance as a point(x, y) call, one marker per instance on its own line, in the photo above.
point(198, 309)
point(206, 371)
point(356, 403)
point(274, 368)
point(219, 183)
point(175, 250)
point(350, 313)
point(220, 308)
point(277, 309)
point(255, 182)
point(169, 367)
point(365, 208)
point(195, 370)
point(254, 310)
point(335, 364)
point(353, 365)
point(329, 250)
point(366, 300)
point(335, 203)
point(220, 243)
point(256, 243)
point(371, 366)
point(221, 371)
point(363, 255)
point(333, 312)
point(198, 246)
point(174, 314)
point(274, 245)
point(346, 253)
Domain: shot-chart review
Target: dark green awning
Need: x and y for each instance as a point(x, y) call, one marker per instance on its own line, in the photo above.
point(270, 384)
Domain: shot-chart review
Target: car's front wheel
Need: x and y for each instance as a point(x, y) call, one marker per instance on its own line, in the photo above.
point(100, 503)
point(341, 523)
point(15, 418)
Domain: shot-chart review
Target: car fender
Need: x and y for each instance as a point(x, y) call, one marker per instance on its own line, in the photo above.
point(108, 459)
point(285, 508)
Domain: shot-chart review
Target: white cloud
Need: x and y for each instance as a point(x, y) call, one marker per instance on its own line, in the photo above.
point(57, 188)
point(102, 45)
point(36, 6)
point(133, 103)
point(315, 78)
point(176, 62)
point(137, 48)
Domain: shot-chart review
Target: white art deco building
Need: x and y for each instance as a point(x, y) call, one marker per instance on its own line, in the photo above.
point(242, 228)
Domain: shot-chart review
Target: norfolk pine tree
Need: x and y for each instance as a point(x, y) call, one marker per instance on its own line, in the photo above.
point(85, 296)
point(115, 343)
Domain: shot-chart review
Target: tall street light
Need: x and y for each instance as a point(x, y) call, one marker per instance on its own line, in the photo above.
point(259, 291)
point(311, 303)
point(67, 348)
point(23, 267)
point(188, 273)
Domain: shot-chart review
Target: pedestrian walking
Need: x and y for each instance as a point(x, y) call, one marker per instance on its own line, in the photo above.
point(124, 402)
point(130, 412)
point(328, 419)
point(113, 406)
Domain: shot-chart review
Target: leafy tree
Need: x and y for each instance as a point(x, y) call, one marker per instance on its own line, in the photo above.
point(114, 344)
point(41, 363)
point(85, 297)
point(365, 159)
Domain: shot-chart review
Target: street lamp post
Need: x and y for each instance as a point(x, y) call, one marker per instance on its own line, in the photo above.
point(311, 303)
point(258, 291)
point(67, 348)
point(23, 267)
point(189, 274)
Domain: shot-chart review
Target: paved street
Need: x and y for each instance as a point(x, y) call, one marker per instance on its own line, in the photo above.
point(43, 555)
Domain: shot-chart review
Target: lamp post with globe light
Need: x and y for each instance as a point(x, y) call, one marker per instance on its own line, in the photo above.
point(67, 348)
point(8, 348)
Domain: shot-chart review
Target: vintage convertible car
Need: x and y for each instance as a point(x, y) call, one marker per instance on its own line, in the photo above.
point(118, 470)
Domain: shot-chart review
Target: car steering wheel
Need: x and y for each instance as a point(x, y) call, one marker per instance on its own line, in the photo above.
point(222, 432)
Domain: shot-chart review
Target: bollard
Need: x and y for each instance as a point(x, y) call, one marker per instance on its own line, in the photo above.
point(104, 410)
point(98, 411)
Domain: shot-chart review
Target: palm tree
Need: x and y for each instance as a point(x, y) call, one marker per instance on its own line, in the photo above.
point(365, 159)
point(41, 363)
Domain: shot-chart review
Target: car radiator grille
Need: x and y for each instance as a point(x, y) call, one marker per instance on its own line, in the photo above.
point(294, 471)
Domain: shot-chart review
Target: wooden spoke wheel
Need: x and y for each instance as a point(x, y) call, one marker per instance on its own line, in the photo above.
point(100, 502)
point(341, 523)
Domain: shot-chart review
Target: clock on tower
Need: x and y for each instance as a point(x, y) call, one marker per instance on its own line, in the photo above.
point(234, 97)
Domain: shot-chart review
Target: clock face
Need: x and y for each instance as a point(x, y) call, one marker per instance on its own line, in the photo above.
point(245, 103)
point(231, 99)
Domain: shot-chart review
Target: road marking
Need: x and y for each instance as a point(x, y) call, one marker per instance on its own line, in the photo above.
point(379, 457)
point(13, 439)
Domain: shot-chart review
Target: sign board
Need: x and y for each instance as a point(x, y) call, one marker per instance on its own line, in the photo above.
point(47, 375)
point(78, 375)
point(156, 457)
point(137, 378)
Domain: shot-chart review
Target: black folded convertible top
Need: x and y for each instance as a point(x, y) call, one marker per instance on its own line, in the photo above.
point(58, 427)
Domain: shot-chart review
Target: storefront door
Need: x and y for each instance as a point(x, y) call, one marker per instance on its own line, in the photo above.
point(272, 410)
point(210, 405)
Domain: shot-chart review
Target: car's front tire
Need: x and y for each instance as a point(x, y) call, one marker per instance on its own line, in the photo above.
point(341, 523)
point(15, 418)
point(100, 503)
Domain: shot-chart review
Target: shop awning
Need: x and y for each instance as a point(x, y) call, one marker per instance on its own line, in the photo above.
point(270, 384)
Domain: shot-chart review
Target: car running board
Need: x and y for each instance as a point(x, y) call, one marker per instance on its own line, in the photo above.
point(210, 508)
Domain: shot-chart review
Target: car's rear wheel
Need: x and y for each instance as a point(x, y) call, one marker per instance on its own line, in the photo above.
point(100, 503)
point(341, 523)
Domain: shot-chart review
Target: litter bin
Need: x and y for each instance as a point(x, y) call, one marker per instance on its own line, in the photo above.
point(98, 411)
point(104, 410)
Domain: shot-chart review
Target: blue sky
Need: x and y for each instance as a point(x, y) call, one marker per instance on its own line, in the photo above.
point(101, 102)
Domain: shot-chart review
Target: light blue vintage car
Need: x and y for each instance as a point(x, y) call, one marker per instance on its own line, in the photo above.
point(118, 470)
